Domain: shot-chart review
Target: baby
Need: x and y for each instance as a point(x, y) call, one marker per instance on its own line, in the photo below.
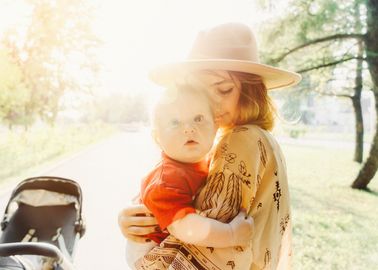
point(184, 129)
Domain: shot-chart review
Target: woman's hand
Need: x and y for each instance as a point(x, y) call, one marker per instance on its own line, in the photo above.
point(135, 222)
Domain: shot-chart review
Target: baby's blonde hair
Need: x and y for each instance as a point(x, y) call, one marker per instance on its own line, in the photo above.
point(171, 95)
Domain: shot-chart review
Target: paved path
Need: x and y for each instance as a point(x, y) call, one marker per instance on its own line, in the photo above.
point(109, 174)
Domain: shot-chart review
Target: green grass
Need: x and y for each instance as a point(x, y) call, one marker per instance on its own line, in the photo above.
point(23, 152)
point(321, 133)
point(335, 227)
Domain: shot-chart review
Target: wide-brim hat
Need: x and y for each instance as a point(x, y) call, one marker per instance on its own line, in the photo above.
point(231, 47)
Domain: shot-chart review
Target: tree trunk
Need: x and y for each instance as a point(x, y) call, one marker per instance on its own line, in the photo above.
point(371, 165)
point(371, 41)
point(359, 146)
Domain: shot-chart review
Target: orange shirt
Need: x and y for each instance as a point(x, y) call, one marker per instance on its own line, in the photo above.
point(168, 191)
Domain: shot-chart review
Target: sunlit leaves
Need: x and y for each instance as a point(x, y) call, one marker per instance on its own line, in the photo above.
point(306, 21)
point(13, 92)
point(54, 53)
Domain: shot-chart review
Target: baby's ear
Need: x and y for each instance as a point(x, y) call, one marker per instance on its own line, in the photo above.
point(155, 136)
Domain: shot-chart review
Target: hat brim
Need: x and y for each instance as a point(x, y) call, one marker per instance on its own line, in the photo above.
point(273, 78)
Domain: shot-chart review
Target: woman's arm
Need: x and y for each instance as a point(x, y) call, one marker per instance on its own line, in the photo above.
point(135, 251)
point(236, 171)
point(135, 222)
point(202, 231)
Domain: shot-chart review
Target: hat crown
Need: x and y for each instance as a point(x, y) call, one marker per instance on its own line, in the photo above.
point(231, 41)
point(230, 47)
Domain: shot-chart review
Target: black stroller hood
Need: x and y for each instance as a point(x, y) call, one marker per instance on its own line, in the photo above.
point(51, 219)
point(50, 183)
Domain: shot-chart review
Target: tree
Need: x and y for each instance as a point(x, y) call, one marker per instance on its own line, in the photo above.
point(371, 42)
point(55, 53)
point(13, 93)
point(346, 35)
point(323, 57)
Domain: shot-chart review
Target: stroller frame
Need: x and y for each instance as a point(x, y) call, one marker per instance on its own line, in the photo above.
point(48, 220)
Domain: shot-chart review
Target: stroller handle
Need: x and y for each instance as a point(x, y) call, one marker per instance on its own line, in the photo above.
point(37, 248)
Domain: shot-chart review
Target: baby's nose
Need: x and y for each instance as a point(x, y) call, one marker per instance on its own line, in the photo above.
point(188, 129)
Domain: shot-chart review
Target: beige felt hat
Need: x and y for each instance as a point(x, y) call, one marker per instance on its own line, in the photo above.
point(230, 46)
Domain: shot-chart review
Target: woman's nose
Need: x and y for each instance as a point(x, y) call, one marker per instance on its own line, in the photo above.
point(214, 99)
point(215, 104)
point(216, 108)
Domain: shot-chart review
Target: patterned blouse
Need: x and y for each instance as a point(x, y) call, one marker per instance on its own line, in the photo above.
point(247, 171)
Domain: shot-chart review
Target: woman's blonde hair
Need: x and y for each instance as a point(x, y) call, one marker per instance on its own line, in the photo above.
point(255, 105)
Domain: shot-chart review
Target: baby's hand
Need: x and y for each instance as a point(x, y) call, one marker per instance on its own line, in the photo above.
point(242, 228)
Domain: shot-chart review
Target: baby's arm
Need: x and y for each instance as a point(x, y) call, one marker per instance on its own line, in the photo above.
point(203, 231)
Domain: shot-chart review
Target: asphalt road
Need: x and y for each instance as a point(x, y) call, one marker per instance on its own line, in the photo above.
point(109, 174)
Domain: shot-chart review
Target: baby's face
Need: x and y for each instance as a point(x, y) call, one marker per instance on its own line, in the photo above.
point(185, 130)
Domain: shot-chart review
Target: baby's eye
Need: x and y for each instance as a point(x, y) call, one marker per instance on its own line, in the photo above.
point(199, 118)
point(175, 122)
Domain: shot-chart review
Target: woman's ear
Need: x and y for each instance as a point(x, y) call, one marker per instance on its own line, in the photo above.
point(216, 126)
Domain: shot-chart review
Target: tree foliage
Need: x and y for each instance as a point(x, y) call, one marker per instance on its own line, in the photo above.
point(54, 52)
point(318, 36)
point(332, 37)
point(14, 95)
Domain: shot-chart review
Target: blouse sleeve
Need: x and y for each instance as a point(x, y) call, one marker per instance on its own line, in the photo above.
point(235, 173)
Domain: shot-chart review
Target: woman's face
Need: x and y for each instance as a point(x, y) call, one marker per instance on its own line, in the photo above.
point(224, 92)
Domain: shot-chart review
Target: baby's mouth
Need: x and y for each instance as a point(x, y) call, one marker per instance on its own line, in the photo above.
point(191, 142)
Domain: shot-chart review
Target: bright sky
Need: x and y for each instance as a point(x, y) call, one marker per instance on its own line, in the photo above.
point(139, 34)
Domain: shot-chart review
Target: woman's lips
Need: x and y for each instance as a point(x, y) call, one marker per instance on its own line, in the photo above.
point(220, 116)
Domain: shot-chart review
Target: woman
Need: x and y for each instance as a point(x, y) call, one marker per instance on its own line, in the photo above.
point(248, 169)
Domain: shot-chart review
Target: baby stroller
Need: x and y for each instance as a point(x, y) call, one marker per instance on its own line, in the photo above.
point(42, 224)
